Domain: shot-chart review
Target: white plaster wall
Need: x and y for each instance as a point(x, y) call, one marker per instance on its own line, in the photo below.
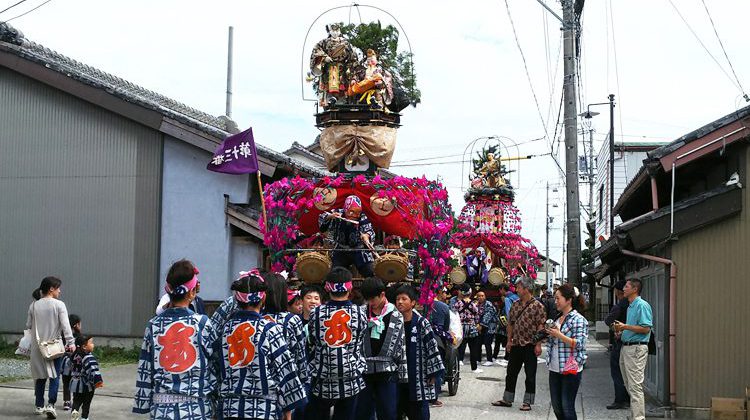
point(193, 223)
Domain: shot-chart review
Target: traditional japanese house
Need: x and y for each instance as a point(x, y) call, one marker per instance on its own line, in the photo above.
point(686, 233)
point(104, 184)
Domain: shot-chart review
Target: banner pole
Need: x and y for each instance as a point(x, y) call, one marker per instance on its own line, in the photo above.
point(262, 199)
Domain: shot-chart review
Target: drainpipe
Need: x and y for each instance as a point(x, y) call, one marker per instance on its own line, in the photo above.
point(654, 195)
point(672, 322)
point(674, 167)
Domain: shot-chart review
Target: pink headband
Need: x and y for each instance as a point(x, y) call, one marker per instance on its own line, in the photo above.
point(184, 288)
point(253, 298)
point(292, 294)
point(338, 287)
point(352, 201)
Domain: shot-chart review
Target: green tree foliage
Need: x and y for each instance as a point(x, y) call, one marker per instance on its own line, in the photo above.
point(384, 41)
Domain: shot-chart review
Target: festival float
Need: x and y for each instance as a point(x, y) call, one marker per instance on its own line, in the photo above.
point(360, 217)
point(488, 246)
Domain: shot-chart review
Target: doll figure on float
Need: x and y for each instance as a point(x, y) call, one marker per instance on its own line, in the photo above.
point(372, 85)
point(332, 61)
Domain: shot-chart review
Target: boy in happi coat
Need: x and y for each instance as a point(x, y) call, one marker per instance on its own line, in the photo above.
point(385, 353)
point(85, 377)
point(336, 330)
point(175, 378)
point(424, 364)
point(257, 376)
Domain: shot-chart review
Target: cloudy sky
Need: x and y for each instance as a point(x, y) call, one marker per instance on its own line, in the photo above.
point(469, 70)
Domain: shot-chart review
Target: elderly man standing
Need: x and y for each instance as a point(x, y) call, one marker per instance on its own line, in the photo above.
point(618, 313)
point(526, 317)
point(634, 354)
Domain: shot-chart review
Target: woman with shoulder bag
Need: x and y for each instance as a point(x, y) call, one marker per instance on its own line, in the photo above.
point(566, 351)
point(48, 322)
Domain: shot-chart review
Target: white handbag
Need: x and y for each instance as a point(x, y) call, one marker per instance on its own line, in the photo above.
point(50, 349)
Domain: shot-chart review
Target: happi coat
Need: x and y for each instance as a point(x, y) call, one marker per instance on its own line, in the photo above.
point(256, 372)
point(336, 330)
point(423, 359)
point(295, 337)
point(392, 356)
point(175, 377)
point(85, 375)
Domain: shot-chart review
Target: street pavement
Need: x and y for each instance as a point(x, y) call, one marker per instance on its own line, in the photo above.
point(475, 393)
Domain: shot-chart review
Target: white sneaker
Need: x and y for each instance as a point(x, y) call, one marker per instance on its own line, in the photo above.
point(461, 362)
point(477, 371)
point(499, 362)
point(75, 415)
point(487, 363)
point(50, 411)
point(504, 363)
point(39, 410)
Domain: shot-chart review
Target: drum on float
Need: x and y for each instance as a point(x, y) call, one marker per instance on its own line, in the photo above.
point(392, 266)
point(458, 275)
point(496, 276)
point(313, 266)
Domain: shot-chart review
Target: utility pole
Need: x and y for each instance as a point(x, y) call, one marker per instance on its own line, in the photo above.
point(591, 173)
point(230, 47)
point(546, 243)
point(611, 164)
point(573, 222)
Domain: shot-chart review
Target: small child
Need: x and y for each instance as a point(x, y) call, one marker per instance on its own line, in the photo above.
point(86, 377)
point(67, 363)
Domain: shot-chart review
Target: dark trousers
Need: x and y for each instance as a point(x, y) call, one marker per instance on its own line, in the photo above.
point(500, 340)
point(348, 258)
point(299, 412)
point(563, 390)
point(621, 393)
point(54, 386)
point(82, 402)
point(475, 350)
point(521, 356)
point(343, 408)
point(486, 339)
point(66, 387)
point(413, 410)
point(379, 396)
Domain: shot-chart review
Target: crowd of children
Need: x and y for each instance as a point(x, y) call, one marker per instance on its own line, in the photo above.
point(271, 353)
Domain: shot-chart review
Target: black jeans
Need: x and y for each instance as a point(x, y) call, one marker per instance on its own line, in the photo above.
point(475, 350)
point(66, 387)
point(413, 410)
point(82, 402)
point(500, 340)
point(621, 393)
point(487, 343)
point(521, 356)
point(563, 390)
point(348, 258)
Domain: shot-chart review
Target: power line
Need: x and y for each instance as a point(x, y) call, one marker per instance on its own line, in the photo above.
point(617, 68)
point(11, 6)
point(704, 46)
point(456, 155)
point(731, 67)
point(452, 162)
point(27, 12)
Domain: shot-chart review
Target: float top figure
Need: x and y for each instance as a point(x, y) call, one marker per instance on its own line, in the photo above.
point(491, 172)
point(332, 61)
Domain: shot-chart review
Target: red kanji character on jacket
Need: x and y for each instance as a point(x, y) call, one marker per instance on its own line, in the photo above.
point(338, 333)
point(178, 353)
point(241, 347)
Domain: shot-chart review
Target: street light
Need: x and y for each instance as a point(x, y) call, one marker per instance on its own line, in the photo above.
point(588, 115)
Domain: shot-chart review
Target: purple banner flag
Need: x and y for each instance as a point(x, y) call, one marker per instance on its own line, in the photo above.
point(236, 155)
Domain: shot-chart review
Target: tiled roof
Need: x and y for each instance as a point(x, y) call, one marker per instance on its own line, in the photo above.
point(218, 127)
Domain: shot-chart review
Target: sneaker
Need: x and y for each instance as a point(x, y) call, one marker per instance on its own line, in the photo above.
point(50, 411)
point(499, 362)
point(487, 363)
point(75, 415)
point(461, 363)
point(67, 405)
point(477, 370)
point(39, 410)
point(504, 363)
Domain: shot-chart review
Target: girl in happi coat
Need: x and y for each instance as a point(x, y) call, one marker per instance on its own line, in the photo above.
point(274, 310)
point(336, 330)
point(85, 377)
point(257, 375)
point(424, 364)
point(175, 378)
